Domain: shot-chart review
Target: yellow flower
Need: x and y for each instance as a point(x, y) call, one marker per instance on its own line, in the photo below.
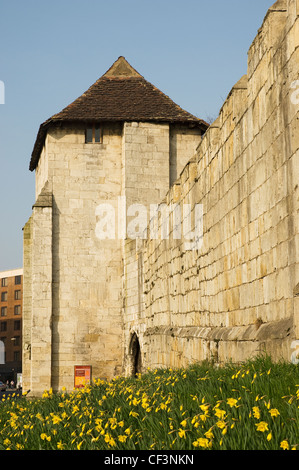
point(269, 437)
point(75, 409)
point(182, 433)
point(202, 442)
point(256, 412)
point(204, 408)
point(56, 419)
point(274, 412)
point(209, 434)
point(60, 446)
point(220, 413)
point(232, 402)
point(221, 424)
point(284, 445)
point(262, 426)
point(122, 438)
point(44, 437)
point(184, 423)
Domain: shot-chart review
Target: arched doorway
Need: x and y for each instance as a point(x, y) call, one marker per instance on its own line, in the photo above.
point(135, 355)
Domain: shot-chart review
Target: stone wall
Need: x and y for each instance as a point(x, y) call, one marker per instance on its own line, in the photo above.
point(235, 296)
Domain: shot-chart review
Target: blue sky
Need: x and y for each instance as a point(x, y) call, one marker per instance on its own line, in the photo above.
point(51, 52)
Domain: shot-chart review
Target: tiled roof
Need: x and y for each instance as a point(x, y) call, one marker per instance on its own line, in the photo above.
point(121, 94)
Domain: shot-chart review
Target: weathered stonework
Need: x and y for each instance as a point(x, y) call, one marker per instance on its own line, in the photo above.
point(235, 297)
point(123, 305)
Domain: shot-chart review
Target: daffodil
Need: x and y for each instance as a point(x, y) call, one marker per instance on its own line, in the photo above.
point(232, 402)
point(202, 442)
point(256, 412)
point(262, 426)
point(221, 424)
point(56, 419)
point(274, 412)
point(284, 445)
point(209, 434)
point(220, 413)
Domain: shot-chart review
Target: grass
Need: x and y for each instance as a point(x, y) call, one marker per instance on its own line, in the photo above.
point(254, 406)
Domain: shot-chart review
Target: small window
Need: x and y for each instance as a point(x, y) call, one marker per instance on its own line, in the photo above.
point(17, 280)
point(17, 309)
point(18, 295)
point(3, 326)
point(3, 311)
point(3, 296)
point(16, 341)
point(16, 356)
point(97, 135)
point(4, 282)
point(93, 135)
point(88, 136)
point(17, 325)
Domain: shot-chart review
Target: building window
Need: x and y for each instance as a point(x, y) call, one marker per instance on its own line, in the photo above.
point(16, 356)
point(16, 340)
point(18, 280)
point(4, 282)
point(17, 309)
point(3, 326)
point(17, 325)
point(3, 311)
point(18, 295)
point(93, 135)
point(3, 296)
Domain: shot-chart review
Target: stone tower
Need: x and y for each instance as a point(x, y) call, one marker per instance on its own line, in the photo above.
point(122, 142)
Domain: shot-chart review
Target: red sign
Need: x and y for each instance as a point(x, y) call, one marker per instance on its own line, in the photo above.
point(82, 376)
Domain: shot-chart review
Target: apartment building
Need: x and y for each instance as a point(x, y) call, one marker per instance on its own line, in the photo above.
point(11, 294)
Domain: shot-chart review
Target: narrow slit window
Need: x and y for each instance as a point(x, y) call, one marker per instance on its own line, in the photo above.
point(97, 135)
point(88, 136)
